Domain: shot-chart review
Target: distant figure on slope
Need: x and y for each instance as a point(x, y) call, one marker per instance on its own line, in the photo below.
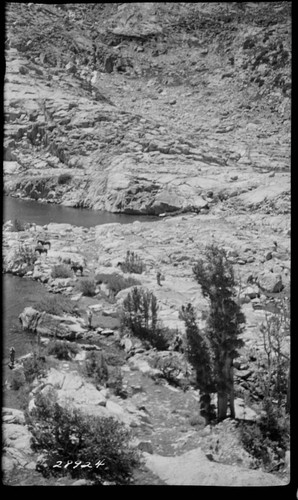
point(11, 357)
point(89, 316)
point(158, 277)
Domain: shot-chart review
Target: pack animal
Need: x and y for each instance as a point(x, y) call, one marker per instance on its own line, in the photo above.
point(44, 243)
point(40, 249)
point(77, 267)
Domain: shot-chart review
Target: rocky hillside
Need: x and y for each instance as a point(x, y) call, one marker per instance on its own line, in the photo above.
point(165, 109)
point(149, 108)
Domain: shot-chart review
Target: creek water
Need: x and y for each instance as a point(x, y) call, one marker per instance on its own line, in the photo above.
point(21, 292)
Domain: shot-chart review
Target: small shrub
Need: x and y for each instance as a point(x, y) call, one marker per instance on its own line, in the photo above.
point(62, 349)
point(95, 367)
point(197, 420)
point(268, 439)
point(114, 359)
point(87, 287)
point(25, 255)
point(116, 282)
point(68, 435)
point(132, 264)
point(170, 368)
point(64, 178)
point(17, 379)
point(169, 335)
point(115, 381)
point(61, 271)
point(34, 367)
point(56, 305)
point(18, 225)
point(139, 314)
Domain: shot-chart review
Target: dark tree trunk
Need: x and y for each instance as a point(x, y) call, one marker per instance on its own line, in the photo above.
point(206, 408)
point(222, 405)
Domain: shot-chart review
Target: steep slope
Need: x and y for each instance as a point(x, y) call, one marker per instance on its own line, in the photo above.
point(149, 108)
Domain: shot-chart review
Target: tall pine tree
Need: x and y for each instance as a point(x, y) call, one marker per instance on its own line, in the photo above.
point(223, 327)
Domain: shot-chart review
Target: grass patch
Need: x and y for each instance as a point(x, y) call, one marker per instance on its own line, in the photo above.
point(57, 305)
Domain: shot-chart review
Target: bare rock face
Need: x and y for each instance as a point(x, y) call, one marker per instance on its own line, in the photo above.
point(146, 146)
point(16, 438)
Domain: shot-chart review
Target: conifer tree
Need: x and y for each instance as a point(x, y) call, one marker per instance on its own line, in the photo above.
point(199, 354)
point(223, 327)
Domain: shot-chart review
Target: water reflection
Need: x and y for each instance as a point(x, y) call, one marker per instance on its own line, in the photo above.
point(44, 213)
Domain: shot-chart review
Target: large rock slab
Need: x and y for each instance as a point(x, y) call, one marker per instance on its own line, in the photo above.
point(194, 469)
point(73, 389)
point(49, 325)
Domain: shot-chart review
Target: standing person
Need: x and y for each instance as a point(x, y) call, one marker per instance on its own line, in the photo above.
point(158, 276)
point(12, 357)
point(89, 316)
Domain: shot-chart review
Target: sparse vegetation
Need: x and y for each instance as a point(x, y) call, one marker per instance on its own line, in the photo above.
point(115, 381)
point(268, 439)
point(17, 379)
point(34, 366)
point(68, 435)
point(139, 315)
point(25, 254)
point(87, 287)
point(57, 305)
point(61, 271)
point(132, 264)
point(170, 368)
point(116, 282)
point(95, 367)
point(62, 349)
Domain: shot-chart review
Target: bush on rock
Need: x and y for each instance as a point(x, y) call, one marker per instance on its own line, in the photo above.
point(94, 448)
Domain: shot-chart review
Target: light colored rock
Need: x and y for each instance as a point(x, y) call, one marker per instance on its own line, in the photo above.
point(17, 436)
point(270, 282)
point(13, 416)
point(244, 412)
point(194, 469)
point(138, 363)
point(66, 327)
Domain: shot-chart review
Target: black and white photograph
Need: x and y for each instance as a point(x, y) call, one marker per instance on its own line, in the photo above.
point(146, 245)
